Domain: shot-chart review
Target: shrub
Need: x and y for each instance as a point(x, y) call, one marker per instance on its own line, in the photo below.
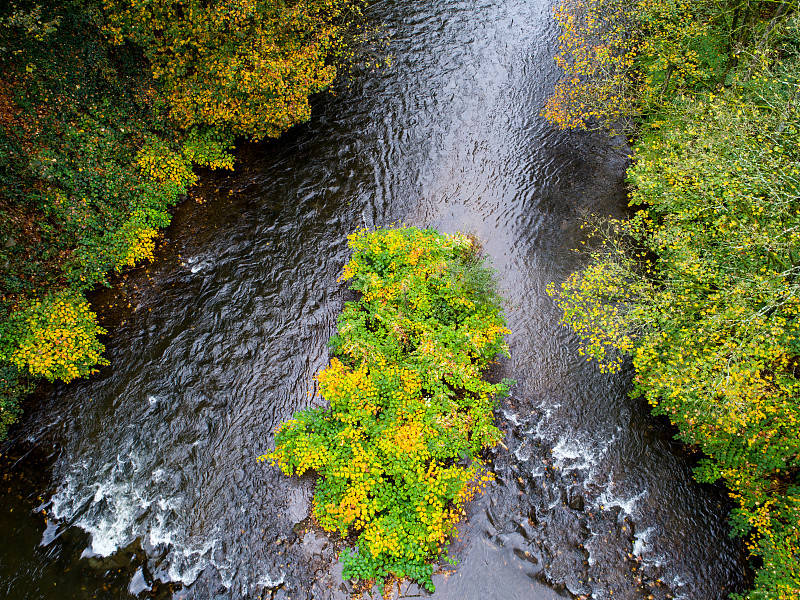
point(397, 448)
point(210, 148)
point(54, 338)
point(161, 163)
point(13, 388)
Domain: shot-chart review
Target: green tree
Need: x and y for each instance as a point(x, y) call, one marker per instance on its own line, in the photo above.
point(700, 290)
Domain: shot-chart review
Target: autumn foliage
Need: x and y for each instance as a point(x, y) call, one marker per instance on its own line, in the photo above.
point(622, 58)
point(54, 338)
point(106, 108)
point(244, 67)
point(699, 288)
point(397, 448)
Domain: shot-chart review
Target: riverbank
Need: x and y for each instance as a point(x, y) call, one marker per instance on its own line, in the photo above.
point(699, 288)
point(99, 141)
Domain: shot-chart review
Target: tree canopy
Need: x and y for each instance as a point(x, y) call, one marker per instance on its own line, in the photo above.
point(244, 67)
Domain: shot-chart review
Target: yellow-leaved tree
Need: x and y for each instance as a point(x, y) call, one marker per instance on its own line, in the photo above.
point(621, 58)
point(243, 67)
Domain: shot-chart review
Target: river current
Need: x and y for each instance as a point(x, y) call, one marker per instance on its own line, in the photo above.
point(143, 481)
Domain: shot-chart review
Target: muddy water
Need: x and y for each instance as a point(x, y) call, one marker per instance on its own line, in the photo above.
point(146, 475)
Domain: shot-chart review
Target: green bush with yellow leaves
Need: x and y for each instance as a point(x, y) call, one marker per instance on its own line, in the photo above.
point(398, 449)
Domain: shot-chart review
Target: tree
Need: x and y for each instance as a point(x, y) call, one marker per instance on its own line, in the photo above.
point(623, 58)
point(244, 67)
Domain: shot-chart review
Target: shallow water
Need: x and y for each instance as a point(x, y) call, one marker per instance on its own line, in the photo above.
point(148, 470)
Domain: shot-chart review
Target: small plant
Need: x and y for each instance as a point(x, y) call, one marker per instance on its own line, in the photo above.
point(397, 449)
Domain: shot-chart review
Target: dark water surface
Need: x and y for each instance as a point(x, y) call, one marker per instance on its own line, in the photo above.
point(148, 471)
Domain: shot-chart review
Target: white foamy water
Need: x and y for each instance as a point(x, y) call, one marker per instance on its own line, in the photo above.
point(641, 545)
point(627, 504)
point(576, 454)
point(120, 509)
point(512, 417)
point(199, 264)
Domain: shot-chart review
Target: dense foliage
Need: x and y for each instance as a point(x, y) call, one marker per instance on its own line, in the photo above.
point(74, 206)
point(105, 108)
point(54, 338)
point(242, 67)
point(625, 58)
point(397, 449)
point(700, 287)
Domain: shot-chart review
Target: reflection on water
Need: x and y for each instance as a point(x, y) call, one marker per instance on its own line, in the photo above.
point(155, 478)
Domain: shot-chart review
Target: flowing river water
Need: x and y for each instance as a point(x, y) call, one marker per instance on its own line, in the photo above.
point(144, 481)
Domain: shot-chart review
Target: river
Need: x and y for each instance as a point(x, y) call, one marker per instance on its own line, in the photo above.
point(143, 481)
